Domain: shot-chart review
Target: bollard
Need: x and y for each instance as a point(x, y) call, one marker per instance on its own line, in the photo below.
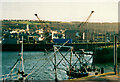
point(56, 80)
point(119, 69)
point(102, 70)
point(96, 73)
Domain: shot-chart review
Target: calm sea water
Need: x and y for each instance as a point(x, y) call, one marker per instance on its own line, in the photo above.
point(39, 63)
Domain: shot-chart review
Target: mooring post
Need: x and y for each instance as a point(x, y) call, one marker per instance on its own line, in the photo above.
point(22, 55)
point(70, 62)
point(118, 68)
point(56, 80)
point(115, 54)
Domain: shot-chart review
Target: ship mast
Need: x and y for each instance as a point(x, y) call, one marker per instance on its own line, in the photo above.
point(22, 56)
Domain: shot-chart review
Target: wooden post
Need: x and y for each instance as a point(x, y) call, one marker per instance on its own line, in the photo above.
point(70, 63)
point(22, 55)
point(118, 69)
point(22, 60)
point(115, 54)
point(56, 80)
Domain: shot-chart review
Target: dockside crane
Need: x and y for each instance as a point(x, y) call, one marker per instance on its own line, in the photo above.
point(46, 35)
point(40, 20)
point(83, 23)
point(87, 20)
point(38, 17)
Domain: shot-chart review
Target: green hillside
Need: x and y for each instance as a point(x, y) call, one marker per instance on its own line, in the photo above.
point(53, 25)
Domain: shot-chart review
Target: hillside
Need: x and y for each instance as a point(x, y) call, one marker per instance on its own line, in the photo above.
point(53, 25)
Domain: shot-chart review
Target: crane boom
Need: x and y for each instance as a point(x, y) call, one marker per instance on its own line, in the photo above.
point(37, 17)
point(45, 28)
point(82, 33)
point(86, 19)
point(89, 16)
point(41, 21)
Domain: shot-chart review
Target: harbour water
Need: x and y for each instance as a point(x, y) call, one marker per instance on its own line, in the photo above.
point(39, 62)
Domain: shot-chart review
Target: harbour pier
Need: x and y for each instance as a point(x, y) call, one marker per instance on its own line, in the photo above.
point(110, 76)
point(42, 47)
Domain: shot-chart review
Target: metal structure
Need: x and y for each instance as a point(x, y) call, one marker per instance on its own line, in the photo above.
point(67, 59)
point(115, 55)
point(20, 75)
point(46, 33)
point(83, 23)
point(57, 49)
point(41, 21)
point(43, 26)
point(38, 18)
point(87, 20)
point(64, 61)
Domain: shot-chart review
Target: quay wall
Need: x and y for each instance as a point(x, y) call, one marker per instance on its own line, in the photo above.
point(42, 47)
point(102, 55)
point(106, 55)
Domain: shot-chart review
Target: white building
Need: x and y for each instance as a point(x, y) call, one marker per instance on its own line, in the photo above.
point(27, 27)
point(40, 31)
point(56, 35)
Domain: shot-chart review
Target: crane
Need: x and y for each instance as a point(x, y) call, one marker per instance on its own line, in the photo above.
point(39, 19)
point(46, 34)
point(83, 23)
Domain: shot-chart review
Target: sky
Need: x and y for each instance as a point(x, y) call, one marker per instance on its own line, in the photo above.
point(61, 10)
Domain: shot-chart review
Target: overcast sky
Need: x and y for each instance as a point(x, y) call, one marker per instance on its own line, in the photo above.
point(77, 10)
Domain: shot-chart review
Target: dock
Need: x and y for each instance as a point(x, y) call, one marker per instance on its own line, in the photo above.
point(42, 47)
point(110, 76)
